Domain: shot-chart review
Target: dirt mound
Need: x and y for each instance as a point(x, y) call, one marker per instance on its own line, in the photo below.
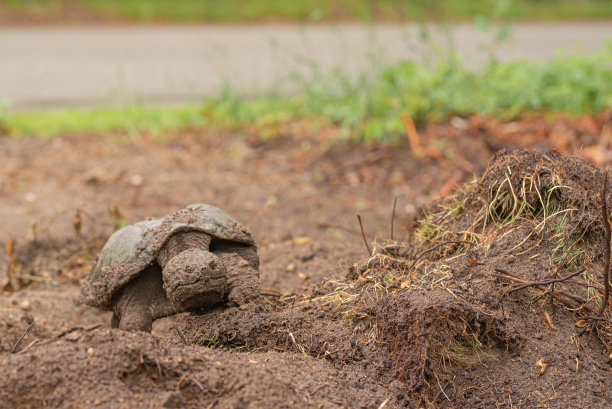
point(531, 218)
point(435, 317)
point(114, 367)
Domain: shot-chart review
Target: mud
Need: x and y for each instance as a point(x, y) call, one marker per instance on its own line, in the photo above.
point(143, 370)
point(428, 320)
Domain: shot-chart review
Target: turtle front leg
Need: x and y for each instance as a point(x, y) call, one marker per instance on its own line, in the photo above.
point(140, 302)
point(242, 264)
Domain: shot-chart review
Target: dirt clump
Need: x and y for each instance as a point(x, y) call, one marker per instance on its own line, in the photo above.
point(428, 330)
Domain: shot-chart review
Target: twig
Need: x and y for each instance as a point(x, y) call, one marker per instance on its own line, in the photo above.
point(272, 290)
point(77, 328)
point(442, 391)
point(30, 345)
point(364, 237)
point(61, 334)
point(583, 303)
point(271, 295)
point(197, 383)
point(298, 346)
point(546, 282)
point(606, 273)
point(393, 215)
point(556, 293)
point(21, 337)
point(180, 382)
point(598, 318)
point(606, 222)
point(313, 393)
point(417, 258)
point(382, 405)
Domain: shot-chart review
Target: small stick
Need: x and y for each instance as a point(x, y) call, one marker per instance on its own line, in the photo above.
point(272, 290)
point(21, 337)
point(442, 391)
point(545, 282)
point(364, 237)
point(197, 383)
point(608, 239)
point(271, 294)
point(606, 319)
point(300, 348)
point(382, 405)
point(313, 393)
point(606, 222)
point(77, 328)
point(30, 345)
point(556, 293)
point(180, 382)
point(393, 215)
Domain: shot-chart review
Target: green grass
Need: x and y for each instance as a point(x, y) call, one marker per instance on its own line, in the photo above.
point(370, 107)
point(133, 119)
point(305, 10)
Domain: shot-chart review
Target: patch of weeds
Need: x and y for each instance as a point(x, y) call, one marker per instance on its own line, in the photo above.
point(594, 291)
point(433, 227)
point(568, 252)
point(432, 277)
point(464, 351)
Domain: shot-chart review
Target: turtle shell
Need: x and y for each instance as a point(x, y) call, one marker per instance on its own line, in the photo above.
point(131, 249)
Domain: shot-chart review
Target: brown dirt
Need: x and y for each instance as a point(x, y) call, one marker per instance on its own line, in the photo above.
point(336, 329)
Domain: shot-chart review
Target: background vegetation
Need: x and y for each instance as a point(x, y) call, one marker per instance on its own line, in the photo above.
point(304, 10)
point(373, 106)
point(368, 107)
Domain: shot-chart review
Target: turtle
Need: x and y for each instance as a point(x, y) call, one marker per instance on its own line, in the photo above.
point(190, 260)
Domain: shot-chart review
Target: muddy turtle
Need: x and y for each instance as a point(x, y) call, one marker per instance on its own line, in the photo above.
point(189, 260)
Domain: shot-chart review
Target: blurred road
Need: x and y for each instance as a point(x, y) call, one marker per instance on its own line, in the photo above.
point(67, 66)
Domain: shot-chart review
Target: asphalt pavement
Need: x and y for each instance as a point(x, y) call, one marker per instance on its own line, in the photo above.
point(102, 65)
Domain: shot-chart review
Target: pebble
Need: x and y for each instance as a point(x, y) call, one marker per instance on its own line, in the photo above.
point(25, 305)
point(136, 180)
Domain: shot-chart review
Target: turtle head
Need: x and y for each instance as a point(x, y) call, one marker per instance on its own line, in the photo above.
point(194, 279)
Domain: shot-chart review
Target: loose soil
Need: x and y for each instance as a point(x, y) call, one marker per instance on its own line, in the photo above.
point(336, 327)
